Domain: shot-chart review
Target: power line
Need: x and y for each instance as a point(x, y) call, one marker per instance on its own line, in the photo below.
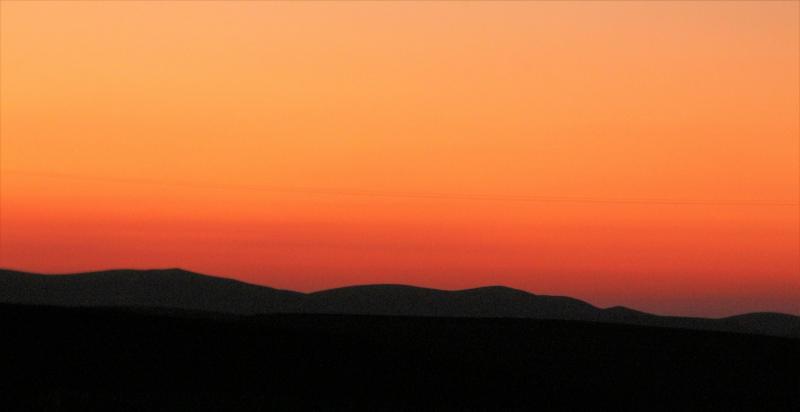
point(414, 195)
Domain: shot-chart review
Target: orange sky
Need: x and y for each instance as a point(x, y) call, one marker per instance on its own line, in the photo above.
point(318, 144)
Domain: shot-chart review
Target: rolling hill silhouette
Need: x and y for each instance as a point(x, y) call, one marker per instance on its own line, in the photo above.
point(176, 289)
point(167, 288)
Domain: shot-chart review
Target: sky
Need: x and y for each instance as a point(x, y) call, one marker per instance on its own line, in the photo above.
point(644, 154)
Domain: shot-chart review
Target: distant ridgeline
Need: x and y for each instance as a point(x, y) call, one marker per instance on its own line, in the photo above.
point(176, 289)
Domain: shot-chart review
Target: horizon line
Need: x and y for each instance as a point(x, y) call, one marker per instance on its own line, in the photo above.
point(352, 285)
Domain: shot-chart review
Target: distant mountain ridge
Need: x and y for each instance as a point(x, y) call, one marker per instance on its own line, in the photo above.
point(184, 290)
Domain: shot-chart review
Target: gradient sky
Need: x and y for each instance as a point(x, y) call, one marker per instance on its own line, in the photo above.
point(636, 153)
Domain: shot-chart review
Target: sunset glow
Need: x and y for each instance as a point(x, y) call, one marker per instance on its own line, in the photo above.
point(644, 154)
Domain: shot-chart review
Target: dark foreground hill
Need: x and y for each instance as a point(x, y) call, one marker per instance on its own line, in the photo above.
point(179, 289)
point(128, 359)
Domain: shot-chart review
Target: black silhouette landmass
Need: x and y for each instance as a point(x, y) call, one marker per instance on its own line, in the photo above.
point(57, 358)
point(174, 340)
point(184, 290)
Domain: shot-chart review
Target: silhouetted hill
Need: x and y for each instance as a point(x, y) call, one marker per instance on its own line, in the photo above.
point(57, 358)
point(167, 288)
point(183, 290)
point(776, 324)
point(401, 300)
